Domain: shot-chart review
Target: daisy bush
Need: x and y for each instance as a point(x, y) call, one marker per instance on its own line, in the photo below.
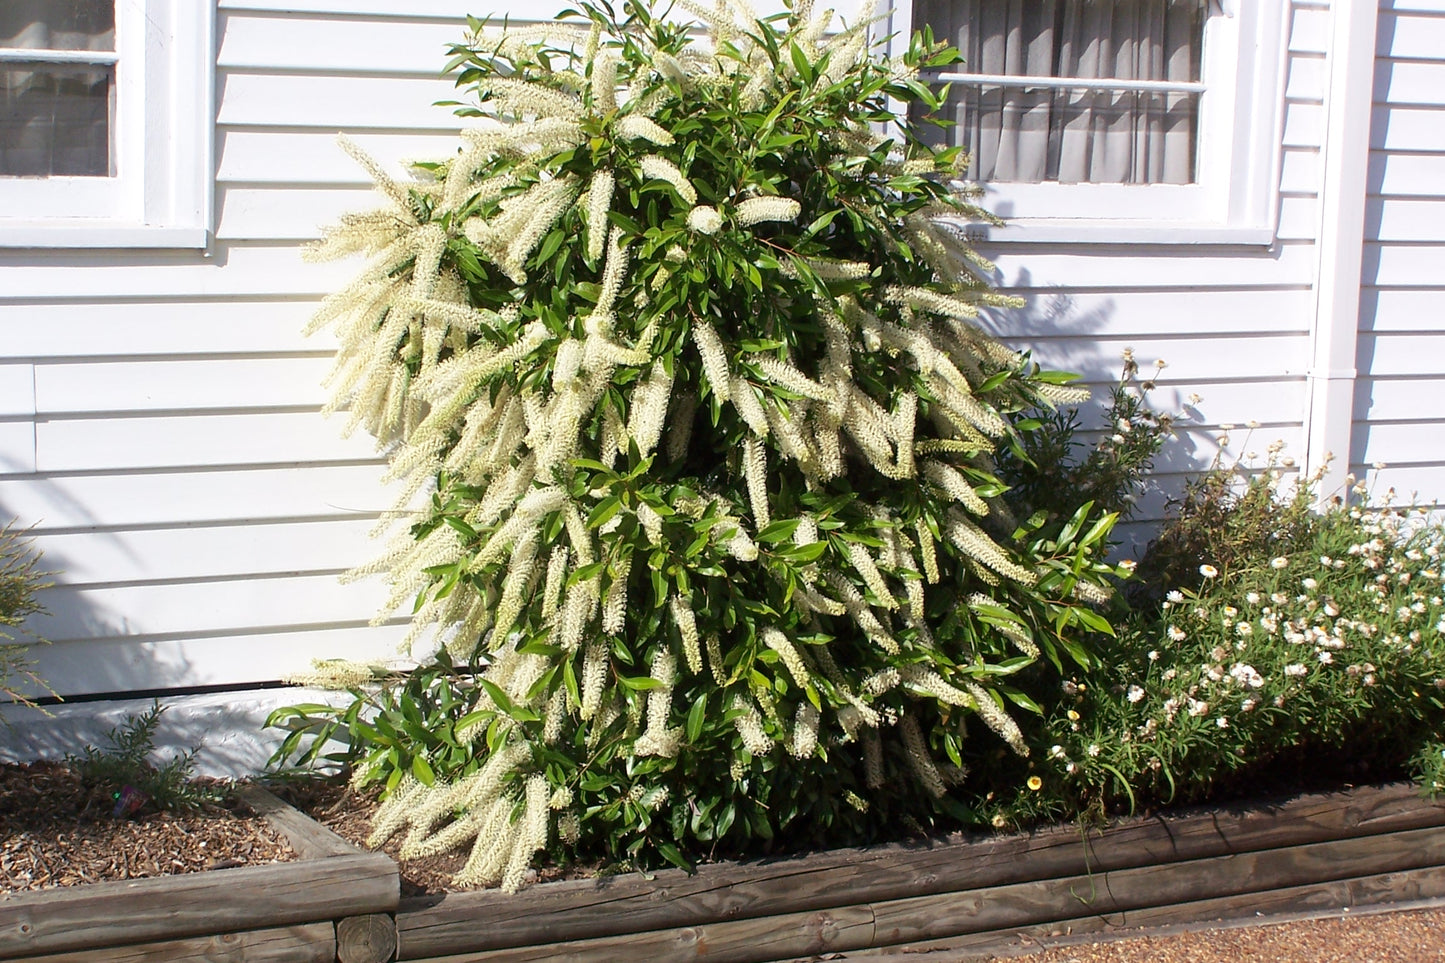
point(1318, 653)
point(679, 365)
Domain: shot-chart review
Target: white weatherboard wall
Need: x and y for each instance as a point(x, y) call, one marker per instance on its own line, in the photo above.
point(1400, 394)
point(159, 417)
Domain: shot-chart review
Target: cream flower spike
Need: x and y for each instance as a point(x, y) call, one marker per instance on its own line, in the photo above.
point(756, 210)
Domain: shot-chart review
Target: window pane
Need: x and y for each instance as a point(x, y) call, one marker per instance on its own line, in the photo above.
point(54, 120)
point(1072, 135)
point(57, 24)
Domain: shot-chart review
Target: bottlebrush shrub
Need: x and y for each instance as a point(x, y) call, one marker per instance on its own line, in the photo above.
point(694, 377)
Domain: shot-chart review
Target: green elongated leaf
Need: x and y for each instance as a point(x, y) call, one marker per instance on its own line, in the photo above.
point(803, 554)
point(674, 856)
point(695, 717)
point(586, 572)
point(1093, 620)
point(569, 680)
point(992, 382)
point(779, 531)
point(422, 771)
point(501, 699)
point(602, 513)
point(1071, 530)
point(1021, 700)
point(639, 683)
point(1099, 529)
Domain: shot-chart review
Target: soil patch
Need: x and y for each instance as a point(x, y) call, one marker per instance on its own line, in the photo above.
point(57, 831)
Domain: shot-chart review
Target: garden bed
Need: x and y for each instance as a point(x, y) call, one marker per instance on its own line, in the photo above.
point(1311, 852)
point(289, 911)
point(56, 829)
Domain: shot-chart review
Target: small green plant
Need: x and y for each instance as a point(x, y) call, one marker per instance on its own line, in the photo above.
point(21, 581)
point(393, 725)
point(1051, 469)
point(124, 766)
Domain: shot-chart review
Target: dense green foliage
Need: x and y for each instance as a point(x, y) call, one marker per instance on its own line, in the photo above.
point(1281, 646)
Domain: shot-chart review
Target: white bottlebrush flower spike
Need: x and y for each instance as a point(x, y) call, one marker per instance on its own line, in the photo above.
point(686, 465)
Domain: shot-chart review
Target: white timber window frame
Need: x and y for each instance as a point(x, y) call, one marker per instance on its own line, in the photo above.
point(1234, 199)
point(160, 190)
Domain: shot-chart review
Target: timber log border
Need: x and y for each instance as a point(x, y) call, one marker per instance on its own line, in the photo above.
point(1305, 855)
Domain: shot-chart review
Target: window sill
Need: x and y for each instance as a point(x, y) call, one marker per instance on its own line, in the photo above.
point(1104, 231)
point(73, 233)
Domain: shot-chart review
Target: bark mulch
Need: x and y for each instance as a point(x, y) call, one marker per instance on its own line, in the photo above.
point(56, 831)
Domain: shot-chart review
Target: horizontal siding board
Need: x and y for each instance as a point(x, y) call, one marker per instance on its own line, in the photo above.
point(173, 328)
point(1403, 309)
point(1399, 443)
point(248, 156)
point(1192, 359)
point(1410, 82)
point(1299, 219)
point(1380, 398)
point(285, 213)
point(1222, 402)
point(1305, 78)
point(1060, 313)
point(336, 103)
point(251, 271)
point(130, 499)
point(1126, 266)
point(1413, 6)
point(1309, 31)
point(134, 386)
point(129, 665)
point(188, 441)
point(358, 46)
point(205, 608)
point(1407, 175)
point(1423, 485)
point(1400, 219)
point(1403, 265)
point(1304, 124)
point(1413, 37)
point(84, 558)
point(1300, 171)
point(1408, 128)
point(1383, 354)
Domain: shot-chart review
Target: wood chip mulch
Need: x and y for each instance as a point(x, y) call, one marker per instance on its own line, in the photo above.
point(56, 831)
point(348, 814)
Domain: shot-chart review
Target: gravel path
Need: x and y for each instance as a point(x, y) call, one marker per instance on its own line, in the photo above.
point(1406, 936)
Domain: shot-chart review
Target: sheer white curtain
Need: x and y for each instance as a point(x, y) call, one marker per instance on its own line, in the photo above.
point(54, 117)
point(1073, 135)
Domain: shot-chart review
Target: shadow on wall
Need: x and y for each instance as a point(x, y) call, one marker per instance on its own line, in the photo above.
point(103, 674)
point(1062, 335)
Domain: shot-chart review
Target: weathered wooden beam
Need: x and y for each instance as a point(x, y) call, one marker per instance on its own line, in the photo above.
point(313, 943)
point(174, 907)
point(366, 939)
point(307, 837)
point(1308, 901)
point(582, 909)
point(1245, 876)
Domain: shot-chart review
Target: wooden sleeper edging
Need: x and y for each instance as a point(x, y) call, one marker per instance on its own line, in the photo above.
point(852, 899)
